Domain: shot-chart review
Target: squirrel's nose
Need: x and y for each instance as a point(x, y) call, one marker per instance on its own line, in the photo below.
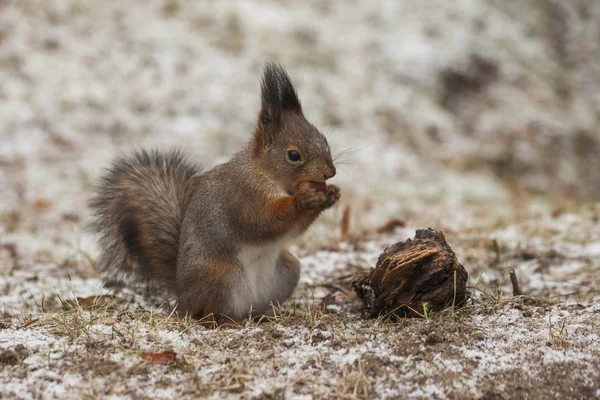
point(330, 173)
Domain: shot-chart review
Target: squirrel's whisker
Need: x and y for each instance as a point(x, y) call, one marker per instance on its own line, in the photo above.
point(347, 152)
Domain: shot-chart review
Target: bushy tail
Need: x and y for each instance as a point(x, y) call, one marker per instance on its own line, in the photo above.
point(138, 210)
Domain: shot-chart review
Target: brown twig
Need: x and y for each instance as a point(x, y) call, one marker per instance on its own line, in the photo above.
point(388, 227)
point(497, 252)
point(515, 283)
point(345, 226)
point(334, 288)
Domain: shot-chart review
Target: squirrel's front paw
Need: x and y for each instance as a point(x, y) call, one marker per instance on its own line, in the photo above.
point(333, 194)
point(312, 200)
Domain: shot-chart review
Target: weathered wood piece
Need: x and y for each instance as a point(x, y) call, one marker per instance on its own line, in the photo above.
point(412, 278)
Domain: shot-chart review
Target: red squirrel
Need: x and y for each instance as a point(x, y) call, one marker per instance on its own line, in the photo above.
point(217, 239)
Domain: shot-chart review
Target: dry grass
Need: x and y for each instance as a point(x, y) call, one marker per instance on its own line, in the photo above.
point(244, 358)
point(459, 169)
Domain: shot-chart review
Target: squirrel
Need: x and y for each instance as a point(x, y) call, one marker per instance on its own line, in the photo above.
point(217, 239)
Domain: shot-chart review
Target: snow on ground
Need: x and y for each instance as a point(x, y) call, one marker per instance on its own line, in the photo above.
point(477, 118)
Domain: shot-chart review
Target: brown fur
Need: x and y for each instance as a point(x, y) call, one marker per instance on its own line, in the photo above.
point(138, 211)
point(217, 280)
point(203, 236)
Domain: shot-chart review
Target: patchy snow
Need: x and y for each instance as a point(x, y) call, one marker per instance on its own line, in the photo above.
point(509, 341)
point(452, 115)
point(28, 338)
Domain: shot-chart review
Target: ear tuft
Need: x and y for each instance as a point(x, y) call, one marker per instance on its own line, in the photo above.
point(288, 96)
point(278, 92)
point(271, 106)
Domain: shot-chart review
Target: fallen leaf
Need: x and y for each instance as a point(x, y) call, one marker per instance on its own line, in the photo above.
point(93, 302)
point(63, 143)
point(42, 205)
point(166, 357)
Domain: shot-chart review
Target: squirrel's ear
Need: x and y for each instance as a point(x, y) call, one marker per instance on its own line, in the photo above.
point(277, 95)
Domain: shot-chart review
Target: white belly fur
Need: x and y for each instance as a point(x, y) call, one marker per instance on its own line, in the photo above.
point(258, 285)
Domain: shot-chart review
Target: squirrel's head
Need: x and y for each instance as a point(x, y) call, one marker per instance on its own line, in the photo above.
point(287, 145)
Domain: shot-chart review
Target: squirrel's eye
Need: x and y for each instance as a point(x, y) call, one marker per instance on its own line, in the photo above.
point(293, 155)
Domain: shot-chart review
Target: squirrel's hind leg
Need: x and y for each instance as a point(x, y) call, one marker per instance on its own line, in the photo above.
point(287, 275)
point(204, 288)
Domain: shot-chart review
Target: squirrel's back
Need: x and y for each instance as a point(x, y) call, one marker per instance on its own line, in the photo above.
point(138, 211)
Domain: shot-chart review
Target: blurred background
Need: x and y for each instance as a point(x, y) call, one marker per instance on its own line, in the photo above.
point(453, 114)
point(478, 118)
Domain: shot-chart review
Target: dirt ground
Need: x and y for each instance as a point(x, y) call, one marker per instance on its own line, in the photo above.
point(541, 345)
point(478, 119)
